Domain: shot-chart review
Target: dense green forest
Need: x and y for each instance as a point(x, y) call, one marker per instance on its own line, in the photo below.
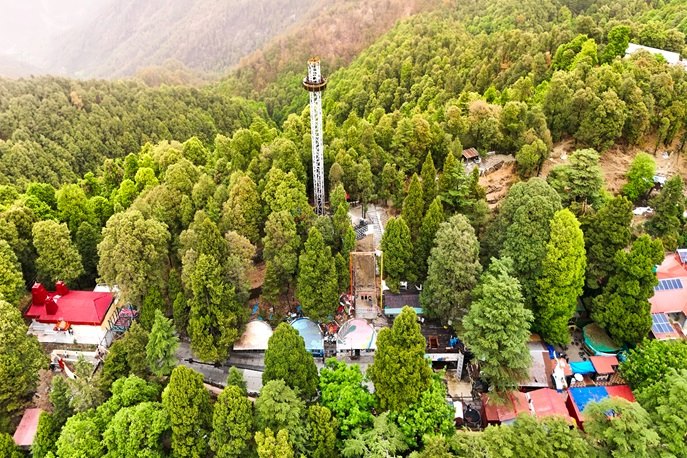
point(175, 194)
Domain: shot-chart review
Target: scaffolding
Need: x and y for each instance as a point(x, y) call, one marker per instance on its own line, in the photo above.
point(363, 271)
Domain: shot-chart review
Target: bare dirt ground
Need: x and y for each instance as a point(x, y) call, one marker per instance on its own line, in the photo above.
point(41, 398)
point(256, 275)
point(498, 183)
point(615, 163)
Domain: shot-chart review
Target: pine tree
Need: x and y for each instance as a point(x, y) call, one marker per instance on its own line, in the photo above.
point(453, 269)
point(496, 329)
point(640, 177)
point(321, 432)
point(20, 362)
point(190, 412)
point(342, 224)
point(11, 280)
point(365, 183)
point(579, 182)
point(287, 359)
point(8, 449)
point(668, 206)
point(413, 207)
point(562, 278)
point(216, 316)
point(278, 407)
point(428, 231)
point(337, 197)
point(242, 211)
point(623, 307)
point(317, 288)
point(235, 378)
point(391, 187)
point(400, 372)
point(47, 433)
point(429, 182)
point(342, 272)
point(525, 216)
point(232, 424)
point(271, 446)
point(281, 246)
point(58, 259)
point(627, 433)
point(59, 398)
point(162, 345)
point(126, 356)
point(398, 253)
point(607, 232)
point(452, 184)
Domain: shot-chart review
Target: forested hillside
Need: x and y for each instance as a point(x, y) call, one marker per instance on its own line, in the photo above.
point(336, 34)
point(188, 198)
point(55, 130)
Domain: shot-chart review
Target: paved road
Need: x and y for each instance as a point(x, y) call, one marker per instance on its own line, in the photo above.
point(251, 364)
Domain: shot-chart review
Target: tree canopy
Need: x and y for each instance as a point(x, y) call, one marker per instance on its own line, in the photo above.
point(496, 329)
point(22, 358)
point(562, 280)
point(399, 371)
point(287, 359)
point(317, 288)
point(623, 307)
point(453, 270)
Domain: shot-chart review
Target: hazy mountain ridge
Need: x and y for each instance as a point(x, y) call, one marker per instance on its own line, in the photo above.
point(11, 67)
point(206, 35)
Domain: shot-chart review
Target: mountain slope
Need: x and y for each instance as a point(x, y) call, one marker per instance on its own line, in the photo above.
point(336, 33)
point(11, 67)
point(208, 35)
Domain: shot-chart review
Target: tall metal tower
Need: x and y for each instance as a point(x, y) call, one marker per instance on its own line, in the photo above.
point(315, 84)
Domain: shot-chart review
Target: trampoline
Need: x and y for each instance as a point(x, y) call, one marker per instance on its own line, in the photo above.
point(255, 337)
point(311, 334)
point(356, 334)
point(598, 341)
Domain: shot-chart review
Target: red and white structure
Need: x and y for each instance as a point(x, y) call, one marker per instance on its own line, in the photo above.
point(315, 84)
point(66, 316)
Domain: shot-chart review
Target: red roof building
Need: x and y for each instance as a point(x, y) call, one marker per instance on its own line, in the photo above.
point(580, 398)
point(541, 403)
point(26, 431)
point(673, 265)
point(604, 364)
point(669, 302)
point(73, 307)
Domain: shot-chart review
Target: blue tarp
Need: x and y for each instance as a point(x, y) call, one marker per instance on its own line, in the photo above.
point(582, 367)
point(584, 395)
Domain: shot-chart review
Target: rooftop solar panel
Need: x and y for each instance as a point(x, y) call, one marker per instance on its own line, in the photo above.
point(670, 284)
point(661, 324)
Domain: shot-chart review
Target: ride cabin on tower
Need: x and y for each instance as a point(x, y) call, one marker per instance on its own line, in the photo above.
point(315, 84)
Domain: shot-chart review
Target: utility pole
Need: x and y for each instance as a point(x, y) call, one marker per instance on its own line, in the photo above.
point(315, 84)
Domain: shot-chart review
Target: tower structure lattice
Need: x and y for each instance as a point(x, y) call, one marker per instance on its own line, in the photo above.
point(315, 84)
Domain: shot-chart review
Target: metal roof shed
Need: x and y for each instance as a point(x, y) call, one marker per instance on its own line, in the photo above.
point(255, 337)
point(26, 431)
point(311, 334)
point(356, 334)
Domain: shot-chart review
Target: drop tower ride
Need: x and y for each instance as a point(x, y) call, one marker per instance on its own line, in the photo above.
point(315, 84)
